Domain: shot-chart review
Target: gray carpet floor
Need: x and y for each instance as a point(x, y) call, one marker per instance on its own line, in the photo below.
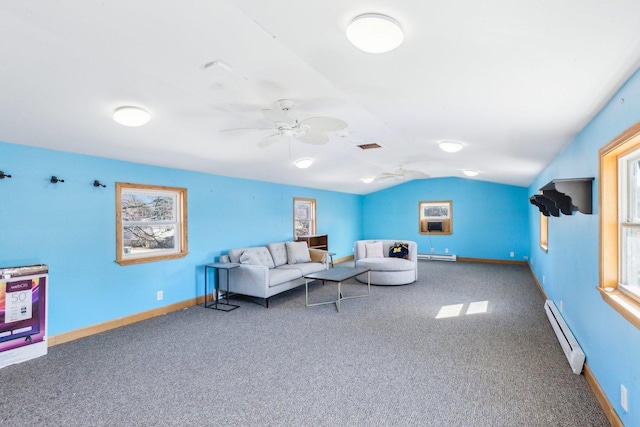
point(386, 360)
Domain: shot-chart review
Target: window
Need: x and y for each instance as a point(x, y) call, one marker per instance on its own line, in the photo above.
point(629, 223)
point(544, 232)
point(620, 224)
point(151, 223)
point(435, 217)
point(304, 217)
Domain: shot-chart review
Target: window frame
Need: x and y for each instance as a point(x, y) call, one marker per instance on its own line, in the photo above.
point(180, 222)
point(312, 203)
point(544, 232)
point(423, 220)
point(609, 208)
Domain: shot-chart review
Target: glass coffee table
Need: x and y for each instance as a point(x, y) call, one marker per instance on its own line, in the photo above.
point(338, 275)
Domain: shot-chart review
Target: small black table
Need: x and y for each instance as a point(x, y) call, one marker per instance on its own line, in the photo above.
point(337, 274)
point(216, 305)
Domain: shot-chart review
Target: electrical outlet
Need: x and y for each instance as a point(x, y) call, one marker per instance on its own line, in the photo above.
point(446, 250)
point(159, 295)
point(526, 258)
point(433, 250)
point(623, 398)
point(561, 305)
point(512, 254)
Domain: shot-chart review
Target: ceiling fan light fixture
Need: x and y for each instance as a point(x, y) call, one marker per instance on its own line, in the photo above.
point(131, 116)
point(368, 180)
point(375, 33)
point(450, 146)
point(470, 172)
point(304, 163)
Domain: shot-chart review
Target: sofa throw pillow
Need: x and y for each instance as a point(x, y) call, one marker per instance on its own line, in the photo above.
point(318, 255)
point(249, 258)
point(374, 250)
point(399, 250)
point(297, 252)
point(258, 255)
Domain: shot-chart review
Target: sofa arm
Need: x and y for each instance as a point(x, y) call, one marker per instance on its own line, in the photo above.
point(413, 251)
point(249, 280)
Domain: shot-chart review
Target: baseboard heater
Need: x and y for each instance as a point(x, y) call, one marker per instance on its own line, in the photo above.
point(437, 257)
point(569, 345)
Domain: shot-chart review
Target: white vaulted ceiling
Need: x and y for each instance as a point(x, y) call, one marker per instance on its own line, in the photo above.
point(512, 81)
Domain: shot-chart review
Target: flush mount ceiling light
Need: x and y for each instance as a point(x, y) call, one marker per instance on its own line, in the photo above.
point(131, 116)
point(304, 162)
point(470, 172)
point(450, 146)
point(367, 180)
point(375, 33)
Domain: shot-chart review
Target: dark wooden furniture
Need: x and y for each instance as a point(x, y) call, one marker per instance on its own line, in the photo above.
point(316, 241)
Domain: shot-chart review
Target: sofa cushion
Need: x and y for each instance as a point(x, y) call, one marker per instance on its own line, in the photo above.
point(261, 253)
point(374, 250)
point(386, 264)
point(278, 276)
point(304, 268)
point(297, 252)
point(278, 253)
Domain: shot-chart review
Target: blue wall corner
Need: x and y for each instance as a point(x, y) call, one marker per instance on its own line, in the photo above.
point(489, 220)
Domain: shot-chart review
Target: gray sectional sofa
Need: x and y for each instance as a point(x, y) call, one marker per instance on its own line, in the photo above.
point(268, 270)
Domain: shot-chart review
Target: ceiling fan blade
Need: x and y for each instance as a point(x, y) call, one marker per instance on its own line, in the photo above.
point(237, 129)
point(279, 116)
point(324, 124)
point(311, 137)
point(384, 178)
point(416, 174)
point(271, 139)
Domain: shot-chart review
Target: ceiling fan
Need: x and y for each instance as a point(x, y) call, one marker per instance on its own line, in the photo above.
point(311, 131)
point(401, 174)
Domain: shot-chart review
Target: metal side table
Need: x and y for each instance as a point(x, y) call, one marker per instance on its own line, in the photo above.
point(215, 304)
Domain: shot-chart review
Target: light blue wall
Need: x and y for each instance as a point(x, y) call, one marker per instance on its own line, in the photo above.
point(70, 227)
point(489, 220)
point(569, 272)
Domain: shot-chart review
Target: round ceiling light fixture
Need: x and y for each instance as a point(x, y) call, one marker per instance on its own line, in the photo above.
point(367, 180)
point(131, 116)
point(470, 172)
point(450, 146)
point(375, 33)
point(304, 162)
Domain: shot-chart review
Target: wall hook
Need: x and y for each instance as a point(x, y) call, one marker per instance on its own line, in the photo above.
point(3, 175)
point(55, 179)
point(97, 183)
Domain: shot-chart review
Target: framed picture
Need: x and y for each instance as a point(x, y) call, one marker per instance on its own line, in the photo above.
point(435, 217)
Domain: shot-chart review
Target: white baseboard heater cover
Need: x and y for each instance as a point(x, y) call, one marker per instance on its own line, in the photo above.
point(569, 345)
point(437, 257)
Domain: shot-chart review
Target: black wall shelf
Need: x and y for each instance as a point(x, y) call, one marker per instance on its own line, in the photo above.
point(565, 196)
